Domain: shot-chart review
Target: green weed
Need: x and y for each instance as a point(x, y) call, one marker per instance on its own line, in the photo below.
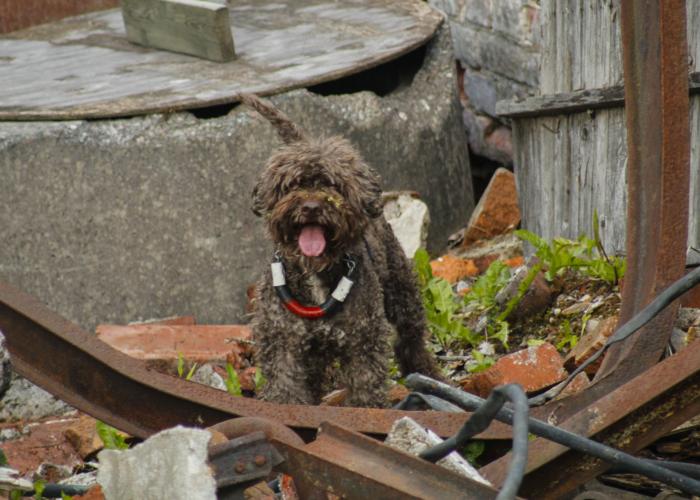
point(111, 438)
point(233, 383)
point(181, 367)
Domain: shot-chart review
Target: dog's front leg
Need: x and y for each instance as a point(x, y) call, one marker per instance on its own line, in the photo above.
point(284, 369)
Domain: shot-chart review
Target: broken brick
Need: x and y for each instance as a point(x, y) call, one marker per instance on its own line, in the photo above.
point(195, 343)
point(83, 436)
point(173, 321)
point(534, 368)
point(595, 337)
point(453, 268)
point(497, 211)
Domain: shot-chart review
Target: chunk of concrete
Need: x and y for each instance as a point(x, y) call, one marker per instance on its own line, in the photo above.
point(408, 435)
point(171, 464)
point(409, 219)
point(108, 221)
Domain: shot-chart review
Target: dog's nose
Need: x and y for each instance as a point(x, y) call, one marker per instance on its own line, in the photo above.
point(311, 207)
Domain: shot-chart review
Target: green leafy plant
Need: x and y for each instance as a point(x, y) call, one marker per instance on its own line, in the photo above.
point(181, 367)
point(481, 362)
point(473, 450)
point(233, 383)
point(111, 438)
point(66, 497)
point(586, 255)
point(487, 286)
point(441, 305)
point(39, 487)
point(568, 338)
point(3, 459)
point(16, 495)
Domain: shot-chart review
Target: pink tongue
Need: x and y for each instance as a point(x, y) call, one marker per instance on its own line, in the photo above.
point(312, 241)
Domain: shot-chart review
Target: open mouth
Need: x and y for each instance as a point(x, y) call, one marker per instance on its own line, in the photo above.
point(312, 240)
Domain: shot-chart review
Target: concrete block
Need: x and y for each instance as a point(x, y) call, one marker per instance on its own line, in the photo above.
point(479, 12)
point(171, 464)
point(111, 221)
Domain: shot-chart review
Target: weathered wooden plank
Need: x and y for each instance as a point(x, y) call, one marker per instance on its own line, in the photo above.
point(90, 70)
point(198, 28)
point(574, 102)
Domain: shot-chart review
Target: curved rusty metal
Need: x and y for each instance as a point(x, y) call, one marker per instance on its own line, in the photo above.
point(88, 374)
point(237, 427)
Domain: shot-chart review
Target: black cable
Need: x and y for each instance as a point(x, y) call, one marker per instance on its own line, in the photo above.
point(663, 300)
point(53, 490)
point(417, 401)
point(480, 420)
point(584, 445)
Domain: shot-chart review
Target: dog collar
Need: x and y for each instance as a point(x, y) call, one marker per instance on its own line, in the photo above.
point(331, 305)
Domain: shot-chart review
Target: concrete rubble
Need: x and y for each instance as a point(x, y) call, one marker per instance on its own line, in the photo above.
point(171, 464)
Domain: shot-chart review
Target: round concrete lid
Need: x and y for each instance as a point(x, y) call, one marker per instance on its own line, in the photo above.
point(83, 67)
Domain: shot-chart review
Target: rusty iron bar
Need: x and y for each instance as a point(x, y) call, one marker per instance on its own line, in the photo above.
point(19, 14)
point(354, 466)
point(629, 418)
point(88, 374)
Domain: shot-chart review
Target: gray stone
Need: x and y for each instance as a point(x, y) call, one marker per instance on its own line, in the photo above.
point(479, 12)
point(679, 339)
point(25, 401)
point(451, 8)
point(484, 89)
point(171, 464)
point(5, 367)
point(482, 49)
point(409, 219)
point(88, 479)
point(507, 17)
point(408, 435)
point(206, 375)
point(106, 221)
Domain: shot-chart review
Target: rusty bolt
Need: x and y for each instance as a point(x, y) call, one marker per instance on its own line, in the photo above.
point(239, 467)
point(260, 460)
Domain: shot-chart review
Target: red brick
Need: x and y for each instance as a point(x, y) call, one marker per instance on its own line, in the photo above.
point(200, 343)
point(453, 268)
point(497, 211)
point(45, 442)
point(534, 368)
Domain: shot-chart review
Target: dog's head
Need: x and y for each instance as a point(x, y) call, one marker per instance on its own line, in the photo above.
point(317, 195)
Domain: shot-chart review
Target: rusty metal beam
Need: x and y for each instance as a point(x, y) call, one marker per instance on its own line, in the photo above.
point(19, 14)
point(354, 466)
point(629, 418)
point(85, 372)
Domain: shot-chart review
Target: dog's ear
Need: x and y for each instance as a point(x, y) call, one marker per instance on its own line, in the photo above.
point(370, 193)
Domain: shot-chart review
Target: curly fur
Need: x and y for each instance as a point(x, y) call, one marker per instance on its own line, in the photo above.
point(303, 358)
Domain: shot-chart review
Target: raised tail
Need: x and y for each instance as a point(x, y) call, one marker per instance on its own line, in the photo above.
point(288, 131)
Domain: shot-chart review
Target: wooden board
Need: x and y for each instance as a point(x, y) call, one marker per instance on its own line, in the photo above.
point(201, 29)
point(84, 67)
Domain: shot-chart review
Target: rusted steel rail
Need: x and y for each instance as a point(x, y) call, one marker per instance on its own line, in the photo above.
point(85, 372)
point(629, 418)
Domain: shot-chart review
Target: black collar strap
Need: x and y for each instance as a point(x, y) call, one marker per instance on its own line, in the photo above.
point(331, 305)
